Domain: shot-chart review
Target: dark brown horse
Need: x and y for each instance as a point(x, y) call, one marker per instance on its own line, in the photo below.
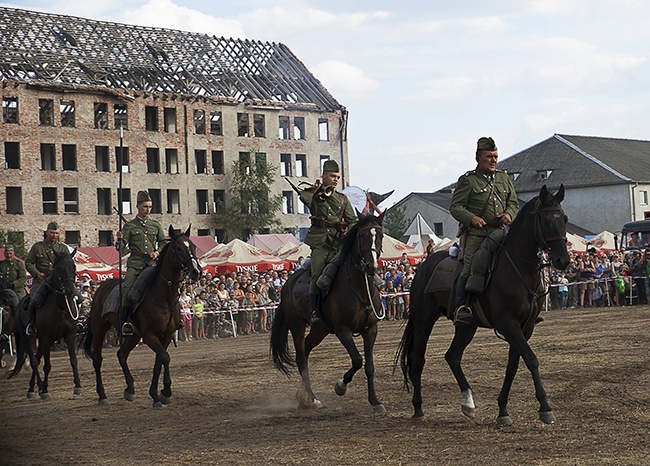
point(56, 318)
point(156, 318)
point(511, 303)
point(350, 308)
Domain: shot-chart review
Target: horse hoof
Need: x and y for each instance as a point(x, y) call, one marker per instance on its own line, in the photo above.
point(547, 417)
point(78, 391)
point(103, 402)
point(340, 387)
point(165, 399)
point(128, 396)
point(157, 404)
point(45, 396)
point(418, 417)
point(31, 395)
point(379, 409)
point(467, 411)
point(503, 421)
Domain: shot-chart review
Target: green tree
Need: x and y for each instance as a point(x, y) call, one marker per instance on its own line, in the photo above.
point(252, 206)
point(395, 223)
point(17, 238)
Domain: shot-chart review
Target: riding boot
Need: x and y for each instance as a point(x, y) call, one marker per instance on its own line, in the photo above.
point(126, 327)
point(314, 306)
point(462, 314)
point(30, 330)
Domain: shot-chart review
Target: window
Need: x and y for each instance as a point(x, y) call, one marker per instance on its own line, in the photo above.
point(67, 110)
point(263, 202)
point(12, 155)
point(287, 202)
point(122, 159)
point(173, 201)
point(48, 159)
point(10, 109)
point(242, 124)
point(244, 161)
point(120, 115)
point(200, 160)
point(171, 161)
point(46, 112)
point(643, 197)
point(217, 162)
point(216, 126)
point(323, 159)
point(124, 198)
point(544, 174)
point(203, 232)
point(73, 237)
point(284, 128)
point(14, 200)
point(199, 121)
point(514, 175)
point(151, 118)
point(437, 229)
point(49, 201)
point(323, 129)
point(169, 119)
point(71, 200)
point(153, 160)
point(301, 165)
point(298, 127)
point(156, 201)
point(220, 234)
point(69, 156)
point(219, 200)
point(101, 115)
point(102, 163)
point(260, 161)
point(259, 126)
point(106, 238)
point(302, 208)
point(201, 201)
point(285, 165)
point(104, 205)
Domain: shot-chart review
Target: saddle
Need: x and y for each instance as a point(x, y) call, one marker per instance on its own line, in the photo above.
point(483, 261)
point(141, 284)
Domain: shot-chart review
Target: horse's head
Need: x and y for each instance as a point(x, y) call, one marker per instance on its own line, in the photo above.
point(551, 226)
point(64, 273)
point(369, 235)
point(184, 251)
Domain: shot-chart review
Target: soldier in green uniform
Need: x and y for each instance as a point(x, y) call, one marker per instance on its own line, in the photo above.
point(331, 216)
point(144, 238)
point(14, 272)
point(40, 263)
point(483, 201)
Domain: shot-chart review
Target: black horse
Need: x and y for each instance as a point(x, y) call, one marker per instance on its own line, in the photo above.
point(511, 304)
point(156, 317)
point(56, 318)
point(350, 308)
point(8, 305)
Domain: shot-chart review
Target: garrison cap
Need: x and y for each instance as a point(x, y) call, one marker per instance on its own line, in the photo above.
point(330, 166)
point(52, 226)
point(9, 247)
point(485, 143)
point(143, 196)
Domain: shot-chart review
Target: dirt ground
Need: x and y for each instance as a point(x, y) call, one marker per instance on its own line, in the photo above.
point(230, 406)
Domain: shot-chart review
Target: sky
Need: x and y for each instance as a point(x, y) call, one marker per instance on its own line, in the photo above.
point(423, 80)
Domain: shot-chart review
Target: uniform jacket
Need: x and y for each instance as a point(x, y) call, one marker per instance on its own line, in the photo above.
point(41, 257)
point(15, 273)
point(143, 237)
point(471, 196)
point(329, 210)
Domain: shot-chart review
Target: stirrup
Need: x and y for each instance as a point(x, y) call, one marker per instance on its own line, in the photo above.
point(30, 331)
point(127, 329)
point(463, 315)
point(314, 318)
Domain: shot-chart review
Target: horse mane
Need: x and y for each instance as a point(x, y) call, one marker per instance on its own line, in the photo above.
point(516, 224)
point(349, 239)
point(161, 256)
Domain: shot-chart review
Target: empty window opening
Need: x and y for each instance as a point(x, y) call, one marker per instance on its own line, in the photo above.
point(153, 160)
point(124, 198)
point(156, 201)
point(101, 115)
point(49, 201)
point(259, 125)
point(171, 160)
point(9, 109)
point(104, 204)
point(67, 110)
point(201, 201)
point(199, 121)
point(285, 165)
point(48, 158)
point(323, 130)
point(14, 200)
point(203, 232)
point(301, 165)
point(69, 156)
point(46, 112)
point(323, 159)
point(219, 200)
point(173, 201)
point(122, 159)
point(73, 238)
point(200, 160)
point(217, 162)
point(169, 119)
point(284, 128)
point(71, 201)
point(216, 125)
point(120, 115)
point(287, 202)
point(151, 118)
point(102, 163)
point(242, 124)
point(12, 155)
point(298, 127)
point(105, 238)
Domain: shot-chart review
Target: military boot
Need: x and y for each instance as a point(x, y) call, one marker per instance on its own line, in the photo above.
point(462, 314)
point(126, 327)
point(30, 330)
point(314, 306)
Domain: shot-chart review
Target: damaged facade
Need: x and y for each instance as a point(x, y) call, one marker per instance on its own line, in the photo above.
point(189, 105)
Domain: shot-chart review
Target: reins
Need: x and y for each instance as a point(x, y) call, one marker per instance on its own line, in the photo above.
point(361, 266)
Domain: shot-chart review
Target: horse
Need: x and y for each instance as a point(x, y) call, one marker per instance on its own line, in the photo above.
point(155, 318)
point(8, 305)
point(56, 318)
point(511, 303)
point(349, 308)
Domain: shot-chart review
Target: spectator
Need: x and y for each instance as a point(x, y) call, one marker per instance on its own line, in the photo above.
point(587, 269)
point(197, 309)
point(186, 315)
point(563, 291)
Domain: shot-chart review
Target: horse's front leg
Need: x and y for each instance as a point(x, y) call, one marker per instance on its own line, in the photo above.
point(47, 367)
point(369, 337)
point(162, 360)
point(454, 355)
point(70, 342)
point(33, 364)
point(347, 340)
point(122, 357)
point(166, 392)
point(511, 371)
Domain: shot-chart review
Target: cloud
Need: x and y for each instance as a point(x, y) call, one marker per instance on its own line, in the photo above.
point(344, 80)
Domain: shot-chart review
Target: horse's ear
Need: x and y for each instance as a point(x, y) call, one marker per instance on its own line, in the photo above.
point(543, 195)
point(359, 214)
point(74, 251)
point(560, 194)
point(187, 232)
point(380, 219)
point(170, 232)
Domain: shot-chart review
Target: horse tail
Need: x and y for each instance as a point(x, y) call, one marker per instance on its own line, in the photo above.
point(87, 341)
point(282, 358)
point(403, 355)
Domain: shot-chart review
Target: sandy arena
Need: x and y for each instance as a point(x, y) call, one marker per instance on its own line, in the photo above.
point(230, 405)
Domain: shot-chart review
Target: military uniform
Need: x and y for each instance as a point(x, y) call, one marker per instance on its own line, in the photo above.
point(487, 196)
point(41, 258)
point(324, 236)
point(16, 275)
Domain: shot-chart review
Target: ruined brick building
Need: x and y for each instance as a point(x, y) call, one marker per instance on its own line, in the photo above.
point(189, 105)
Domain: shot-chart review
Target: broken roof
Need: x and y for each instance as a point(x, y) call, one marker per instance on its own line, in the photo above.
point(43, 48)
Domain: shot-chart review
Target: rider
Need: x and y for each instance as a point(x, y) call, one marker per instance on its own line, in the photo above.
point(484, 200)
point(14, 271)
point(331, 216)
point(39, 263)
point(144, 238)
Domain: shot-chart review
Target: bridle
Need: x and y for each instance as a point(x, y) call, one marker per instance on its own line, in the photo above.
point(187, 266)
point(542, 240)
point(375, 253)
